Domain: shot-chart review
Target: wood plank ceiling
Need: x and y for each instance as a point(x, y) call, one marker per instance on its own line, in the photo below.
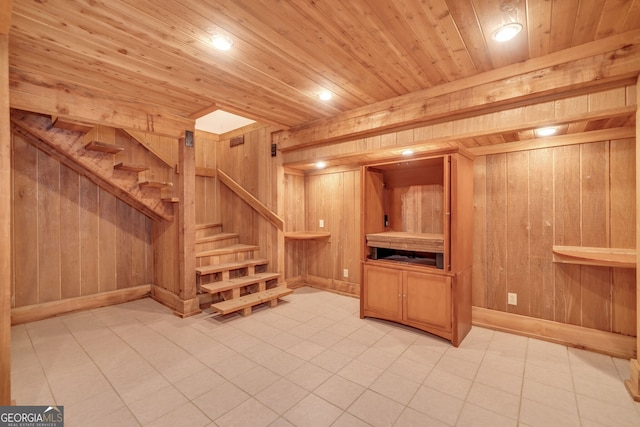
point(156, 56)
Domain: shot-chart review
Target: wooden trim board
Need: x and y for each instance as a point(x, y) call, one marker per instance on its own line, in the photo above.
point(181, 308)
point(614, 345)
point(31, 313)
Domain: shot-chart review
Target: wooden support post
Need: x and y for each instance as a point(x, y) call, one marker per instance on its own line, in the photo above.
point(633, 384)
point(186, 225)
point(5, 221)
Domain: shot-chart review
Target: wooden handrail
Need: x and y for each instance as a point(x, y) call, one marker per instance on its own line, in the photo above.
point(255, 204)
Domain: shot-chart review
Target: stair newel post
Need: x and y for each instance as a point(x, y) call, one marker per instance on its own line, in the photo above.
point(186, 217)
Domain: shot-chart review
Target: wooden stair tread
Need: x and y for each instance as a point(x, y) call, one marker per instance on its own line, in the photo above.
point(216, 237)
point(238, 248)
point(208, 225)
point(238, 282)
point(171, 199)
point(155, 184)
point(104, 147)
point(131, 167)
point(217, 268)
point(249, 300)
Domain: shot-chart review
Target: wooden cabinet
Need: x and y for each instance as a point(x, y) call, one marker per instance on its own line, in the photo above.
point(414, 298)
point(416, 243)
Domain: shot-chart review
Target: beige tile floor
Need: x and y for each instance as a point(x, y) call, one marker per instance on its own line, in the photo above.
point(308, 362)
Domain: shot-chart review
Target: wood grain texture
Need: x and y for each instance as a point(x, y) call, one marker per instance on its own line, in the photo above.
point(79, 240)
point(479, 273)
point(70, 278)
point(577, 196)
point(497, 233)
point(623, 202)
point(6, 211)
point(518, 231)
point(25, 220)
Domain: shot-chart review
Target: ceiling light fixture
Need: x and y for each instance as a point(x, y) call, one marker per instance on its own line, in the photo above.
point(321, 165)
point(221, 42)
point(548, 131)
point(325, 95)
point(507, 32)
point(407, 152)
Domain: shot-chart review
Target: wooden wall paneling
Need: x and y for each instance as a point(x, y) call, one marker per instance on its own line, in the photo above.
point(89, 237)
point(124, 245)
point(70, 233)
point(496, 232)
point(567, 227)
point(48, 228)
point(595, 281)
point(107, 241)
point(541, 278)
point(479, 272)
point(25, 220)
point(6, 210)
point(623, 211)
point(518, 231)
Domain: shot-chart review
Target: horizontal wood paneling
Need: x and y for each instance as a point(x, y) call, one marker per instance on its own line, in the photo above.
point(71, 238)
point(580, 195)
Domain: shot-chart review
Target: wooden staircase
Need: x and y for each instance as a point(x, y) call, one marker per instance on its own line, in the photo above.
point(227, 269)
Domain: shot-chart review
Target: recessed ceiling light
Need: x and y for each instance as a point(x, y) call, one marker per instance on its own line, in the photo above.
point(321, 165)
point(325, 95)
point(221, 42)
point(548, 131)
point(407, 152)
point(507, 32)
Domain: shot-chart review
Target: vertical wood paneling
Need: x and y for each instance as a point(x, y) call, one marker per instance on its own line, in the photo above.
point(623, 235)
point(595, 281)
point(497, 233)
point(479, 273)
point(582, 195)
point(567, 223)
point(124, 245)
point(71, 238)
point(89, 237)
point(107, 241)
point(70, 229)
point(48, 228)
point(541, 281)
point(517, 243)
point(25, 222)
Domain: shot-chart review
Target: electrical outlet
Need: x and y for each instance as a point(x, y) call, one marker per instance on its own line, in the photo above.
point(322, 223)
point(345, 272)
point(512, 298)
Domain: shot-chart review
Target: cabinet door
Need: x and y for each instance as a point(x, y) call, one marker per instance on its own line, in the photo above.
point(427, 300)
point(382, 291)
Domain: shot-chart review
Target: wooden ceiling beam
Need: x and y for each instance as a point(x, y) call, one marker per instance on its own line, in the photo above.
point(514, 120)
point(599, 63)
point(54, 102)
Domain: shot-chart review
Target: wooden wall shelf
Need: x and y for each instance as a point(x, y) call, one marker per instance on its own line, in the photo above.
point(606, 257)
point(306, 235)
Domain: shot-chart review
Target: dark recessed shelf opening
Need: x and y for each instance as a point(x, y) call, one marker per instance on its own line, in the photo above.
point(411, 257)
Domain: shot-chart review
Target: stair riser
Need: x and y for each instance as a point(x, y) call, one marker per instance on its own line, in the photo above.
point(209, 231)
point(218, 259)
point(205, 246)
